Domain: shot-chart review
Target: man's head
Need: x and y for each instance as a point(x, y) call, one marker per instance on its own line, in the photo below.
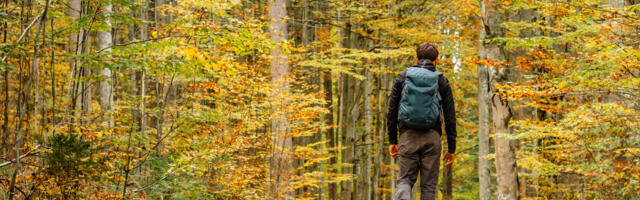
point(427, 51)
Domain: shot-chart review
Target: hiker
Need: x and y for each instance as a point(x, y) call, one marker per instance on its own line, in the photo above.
point(418, 97)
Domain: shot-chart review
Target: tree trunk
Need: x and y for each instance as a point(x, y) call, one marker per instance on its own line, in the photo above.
point(483, 121)
point(506, 169)
point(340, 132)
point(345, 135)
point(5, 124)
point(162, 90)
point(75, 8)
point(505, 150)
point(105, 42)
point(159, 17)
point(144, 13)
point(353, 138)
point(76, 47)
point(281, 165)
point(144, 28)
point(380, 123)
point(364, 185)
point(330, 132)
point(23, 105)
point(143, 102)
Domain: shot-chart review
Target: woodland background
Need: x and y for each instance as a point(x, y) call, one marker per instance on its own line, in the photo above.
point(284, 99)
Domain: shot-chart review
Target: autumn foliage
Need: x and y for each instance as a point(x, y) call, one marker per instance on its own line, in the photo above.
point(198, 110)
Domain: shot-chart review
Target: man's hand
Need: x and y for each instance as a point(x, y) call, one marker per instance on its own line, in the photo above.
point(393, 150)
point(448, 159)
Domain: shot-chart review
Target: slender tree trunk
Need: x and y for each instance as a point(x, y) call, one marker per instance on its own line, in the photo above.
point(349, 136)
point(379, 143)
point(314, 77)
point(345, 141)
point(53, 84)
point(160, 91)
point(144, 28)
point(392, 172)
point(354, 138)
point(340, 132)
point(163, 94)
point(330, 132)
point(144, 12)
point(483, 120)
point(158, 16)
point(77, 41)
point(75, 8)
point(85, 87)
point(5, 124)
point(281, 165)
point(105, 41)
point(34, 72)
point(87, 93)
point(364, 185)
point(143, 102)
point(18, 139)
point(35, 67)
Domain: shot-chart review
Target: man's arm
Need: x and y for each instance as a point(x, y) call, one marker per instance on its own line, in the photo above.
point(449, 111)
point(392, 115)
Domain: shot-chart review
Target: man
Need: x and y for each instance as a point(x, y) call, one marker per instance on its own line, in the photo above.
point(419, 148)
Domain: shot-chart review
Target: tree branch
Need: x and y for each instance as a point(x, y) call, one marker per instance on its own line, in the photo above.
point(24, 33)
point(19, 157)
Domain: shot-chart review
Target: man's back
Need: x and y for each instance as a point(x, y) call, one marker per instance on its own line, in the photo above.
point(447, 103)
point(418, 150)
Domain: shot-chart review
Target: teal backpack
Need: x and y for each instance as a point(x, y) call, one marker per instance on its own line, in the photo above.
point(420, 102)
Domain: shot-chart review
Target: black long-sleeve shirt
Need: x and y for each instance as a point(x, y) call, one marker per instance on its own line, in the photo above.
point(447, 104)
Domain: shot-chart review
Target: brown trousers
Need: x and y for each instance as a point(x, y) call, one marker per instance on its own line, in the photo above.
point(418, 151)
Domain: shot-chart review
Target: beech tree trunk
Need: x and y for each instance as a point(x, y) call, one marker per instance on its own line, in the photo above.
point(77, 41)
point(75, 8)
point(505, 150)
point(144, 28)
point(483, 120)
point(346, 133)
point(281, 163)
point(364, 181)
point(330, 132)
point(105, 42)
point(505, 159)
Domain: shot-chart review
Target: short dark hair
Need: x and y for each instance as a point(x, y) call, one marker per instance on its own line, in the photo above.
point(427, 51)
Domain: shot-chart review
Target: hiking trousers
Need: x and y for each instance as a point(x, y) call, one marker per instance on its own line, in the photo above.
point(418, 152)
